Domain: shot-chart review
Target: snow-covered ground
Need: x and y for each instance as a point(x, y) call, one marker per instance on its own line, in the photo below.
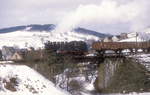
point(3, 62)
point(84, 81)
point(143, 59)
point(34, 39)
point(22, 80)
point(23, 39)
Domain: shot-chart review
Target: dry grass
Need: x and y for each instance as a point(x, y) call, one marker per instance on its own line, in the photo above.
point(11, 85)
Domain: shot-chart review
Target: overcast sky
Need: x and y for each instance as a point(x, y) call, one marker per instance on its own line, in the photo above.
point(113, 15)
point(19, 12)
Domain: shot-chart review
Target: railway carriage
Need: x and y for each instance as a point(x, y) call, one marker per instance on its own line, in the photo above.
point(120, 46)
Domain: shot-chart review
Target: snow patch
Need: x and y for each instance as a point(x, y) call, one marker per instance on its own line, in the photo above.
point(25, 81)
point(36, 39)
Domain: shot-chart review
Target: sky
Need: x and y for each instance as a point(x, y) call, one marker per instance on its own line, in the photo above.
point(106, 16)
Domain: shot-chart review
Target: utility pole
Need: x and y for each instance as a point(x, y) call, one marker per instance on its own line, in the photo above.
point(136, 37)
point(136, 42)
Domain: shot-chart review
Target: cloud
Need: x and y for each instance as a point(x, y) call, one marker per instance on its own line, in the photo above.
point(19, 12)
point(131, 15)
point(105, 16)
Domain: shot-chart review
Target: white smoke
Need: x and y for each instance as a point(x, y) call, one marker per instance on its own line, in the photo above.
point(108, 12)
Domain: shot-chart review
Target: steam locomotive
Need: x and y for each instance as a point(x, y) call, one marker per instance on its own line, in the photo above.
point(73, 47)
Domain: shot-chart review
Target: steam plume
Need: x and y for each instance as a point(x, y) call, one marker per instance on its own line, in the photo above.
point(108, 12)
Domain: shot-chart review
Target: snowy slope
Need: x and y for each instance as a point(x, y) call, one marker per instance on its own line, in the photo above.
point(35, 35)
point(34, 39)
point(23, 39)
point(22, 80)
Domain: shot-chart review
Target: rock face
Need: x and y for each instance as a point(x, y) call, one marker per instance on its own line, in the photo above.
point(121, 76)
point(106, 72)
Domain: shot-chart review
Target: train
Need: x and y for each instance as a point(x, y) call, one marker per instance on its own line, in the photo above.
point(73, 47)
point(81, 47)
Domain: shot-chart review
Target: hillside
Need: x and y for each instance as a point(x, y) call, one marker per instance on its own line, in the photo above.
point(33, 27)
point(49, 28)
point(36, 35)
point(22, 80)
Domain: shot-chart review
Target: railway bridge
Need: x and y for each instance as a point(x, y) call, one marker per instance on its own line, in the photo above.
point(115, 50)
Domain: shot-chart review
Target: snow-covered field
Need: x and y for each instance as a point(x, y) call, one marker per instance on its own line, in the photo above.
point(23, 39)
point(22, 80)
